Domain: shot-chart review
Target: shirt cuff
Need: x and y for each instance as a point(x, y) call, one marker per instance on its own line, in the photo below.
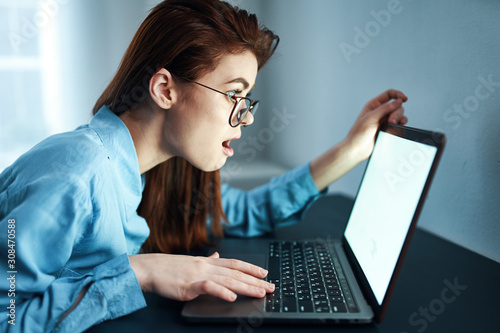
point(119, 285)
point(113, 292)
point(298, 192)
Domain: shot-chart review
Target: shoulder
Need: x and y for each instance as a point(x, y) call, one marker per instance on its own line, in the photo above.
point(71, 153)
point(67, 159)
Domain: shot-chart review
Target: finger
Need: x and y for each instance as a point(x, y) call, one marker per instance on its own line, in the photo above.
point(210, 288)
point(240, 266)
point(249, 280)
point(392, 94)
point(396, 116)
point(242, 271)
point(214, 255)
point(386, 109)
point(385, 97)
point(239, 287)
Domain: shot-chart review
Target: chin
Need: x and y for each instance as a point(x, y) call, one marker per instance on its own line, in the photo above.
point(210, 166)
point(220, 165)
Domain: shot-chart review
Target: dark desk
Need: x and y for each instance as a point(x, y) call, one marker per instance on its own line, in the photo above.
point(421, 301)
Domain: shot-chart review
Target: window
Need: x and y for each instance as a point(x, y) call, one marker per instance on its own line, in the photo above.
point(29, 104)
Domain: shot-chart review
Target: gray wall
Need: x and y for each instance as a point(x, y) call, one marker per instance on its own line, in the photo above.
point(93, 37)
point(438, 52)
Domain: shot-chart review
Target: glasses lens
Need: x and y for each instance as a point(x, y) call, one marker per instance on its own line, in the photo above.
point(240, 111)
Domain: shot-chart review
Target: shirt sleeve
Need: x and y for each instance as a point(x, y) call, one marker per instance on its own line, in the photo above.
point(50, 216)
point(282, 201)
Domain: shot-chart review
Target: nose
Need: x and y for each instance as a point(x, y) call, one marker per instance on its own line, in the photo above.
point(249, 119)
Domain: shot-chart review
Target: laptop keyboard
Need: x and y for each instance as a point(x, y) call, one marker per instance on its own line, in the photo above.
point(308, 278)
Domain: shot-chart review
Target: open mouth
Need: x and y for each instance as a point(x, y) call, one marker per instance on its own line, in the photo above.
point(227, 149)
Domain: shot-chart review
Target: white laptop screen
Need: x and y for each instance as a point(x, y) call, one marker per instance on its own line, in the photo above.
point(385, 205)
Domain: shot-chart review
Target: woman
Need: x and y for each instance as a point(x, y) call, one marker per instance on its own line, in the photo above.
point(99, 212)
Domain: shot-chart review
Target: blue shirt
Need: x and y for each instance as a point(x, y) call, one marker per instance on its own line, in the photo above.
point(68, 219)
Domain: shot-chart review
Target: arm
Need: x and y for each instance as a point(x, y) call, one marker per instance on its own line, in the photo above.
point(358, 144)
point(51, 217)
point(282, 201)
point(285, 199)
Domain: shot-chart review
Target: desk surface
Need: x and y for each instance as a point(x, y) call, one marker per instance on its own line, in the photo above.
point(441, 287)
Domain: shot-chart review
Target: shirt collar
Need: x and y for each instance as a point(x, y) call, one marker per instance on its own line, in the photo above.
point(120, 148)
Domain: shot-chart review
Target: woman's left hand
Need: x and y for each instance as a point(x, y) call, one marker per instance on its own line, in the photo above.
point(358, 144)
point(360, 138)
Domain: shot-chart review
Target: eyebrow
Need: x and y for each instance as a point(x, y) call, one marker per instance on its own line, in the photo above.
point(240, 80)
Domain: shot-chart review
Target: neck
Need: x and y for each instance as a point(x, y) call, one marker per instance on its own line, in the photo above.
point(146, 131)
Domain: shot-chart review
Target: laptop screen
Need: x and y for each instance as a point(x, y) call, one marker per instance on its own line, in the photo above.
point(385, 206)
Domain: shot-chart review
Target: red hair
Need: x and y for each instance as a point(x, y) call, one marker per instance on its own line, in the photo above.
point(188, 38)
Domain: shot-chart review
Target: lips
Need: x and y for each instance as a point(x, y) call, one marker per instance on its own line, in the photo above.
point(226, 148)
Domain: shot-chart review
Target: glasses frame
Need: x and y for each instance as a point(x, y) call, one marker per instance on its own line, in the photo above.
point(253, 103)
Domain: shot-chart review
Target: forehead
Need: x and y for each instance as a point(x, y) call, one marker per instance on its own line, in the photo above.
point(234, 68)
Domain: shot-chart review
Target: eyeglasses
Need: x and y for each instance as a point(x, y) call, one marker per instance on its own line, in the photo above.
point(242, 105)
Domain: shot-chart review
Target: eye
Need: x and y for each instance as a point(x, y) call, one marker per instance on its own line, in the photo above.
point(233, 94)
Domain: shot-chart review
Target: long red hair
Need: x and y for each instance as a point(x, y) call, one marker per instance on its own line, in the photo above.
point(188, 38)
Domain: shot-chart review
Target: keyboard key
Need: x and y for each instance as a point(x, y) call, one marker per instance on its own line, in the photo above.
point(272, 308)
point(338, 307)
point(289, 304)
point(321, 302)
point(336, 299)
point(308, 278)
point(322, 308)
point(305, 306)
point(273, 268)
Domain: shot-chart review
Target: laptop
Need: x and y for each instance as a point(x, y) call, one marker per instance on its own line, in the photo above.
point(349, 280)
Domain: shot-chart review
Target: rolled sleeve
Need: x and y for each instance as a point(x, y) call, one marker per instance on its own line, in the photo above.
point(113, 292)
point(283, 201)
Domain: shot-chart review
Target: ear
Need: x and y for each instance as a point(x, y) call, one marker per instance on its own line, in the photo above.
point(162, 89)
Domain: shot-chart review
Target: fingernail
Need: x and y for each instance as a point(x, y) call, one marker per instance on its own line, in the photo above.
point(263, 271)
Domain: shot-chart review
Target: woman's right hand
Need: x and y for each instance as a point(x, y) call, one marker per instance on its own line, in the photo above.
point(184, 278)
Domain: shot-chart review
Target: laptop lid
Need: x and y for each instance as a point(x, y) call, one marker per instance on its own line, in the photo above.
point(388, 203)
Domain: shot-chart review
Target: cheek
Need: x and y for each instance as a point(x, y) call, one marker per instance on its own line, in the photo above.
point(208, 138)
point(206, 155)
point(197, 131)
point(202, 146)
